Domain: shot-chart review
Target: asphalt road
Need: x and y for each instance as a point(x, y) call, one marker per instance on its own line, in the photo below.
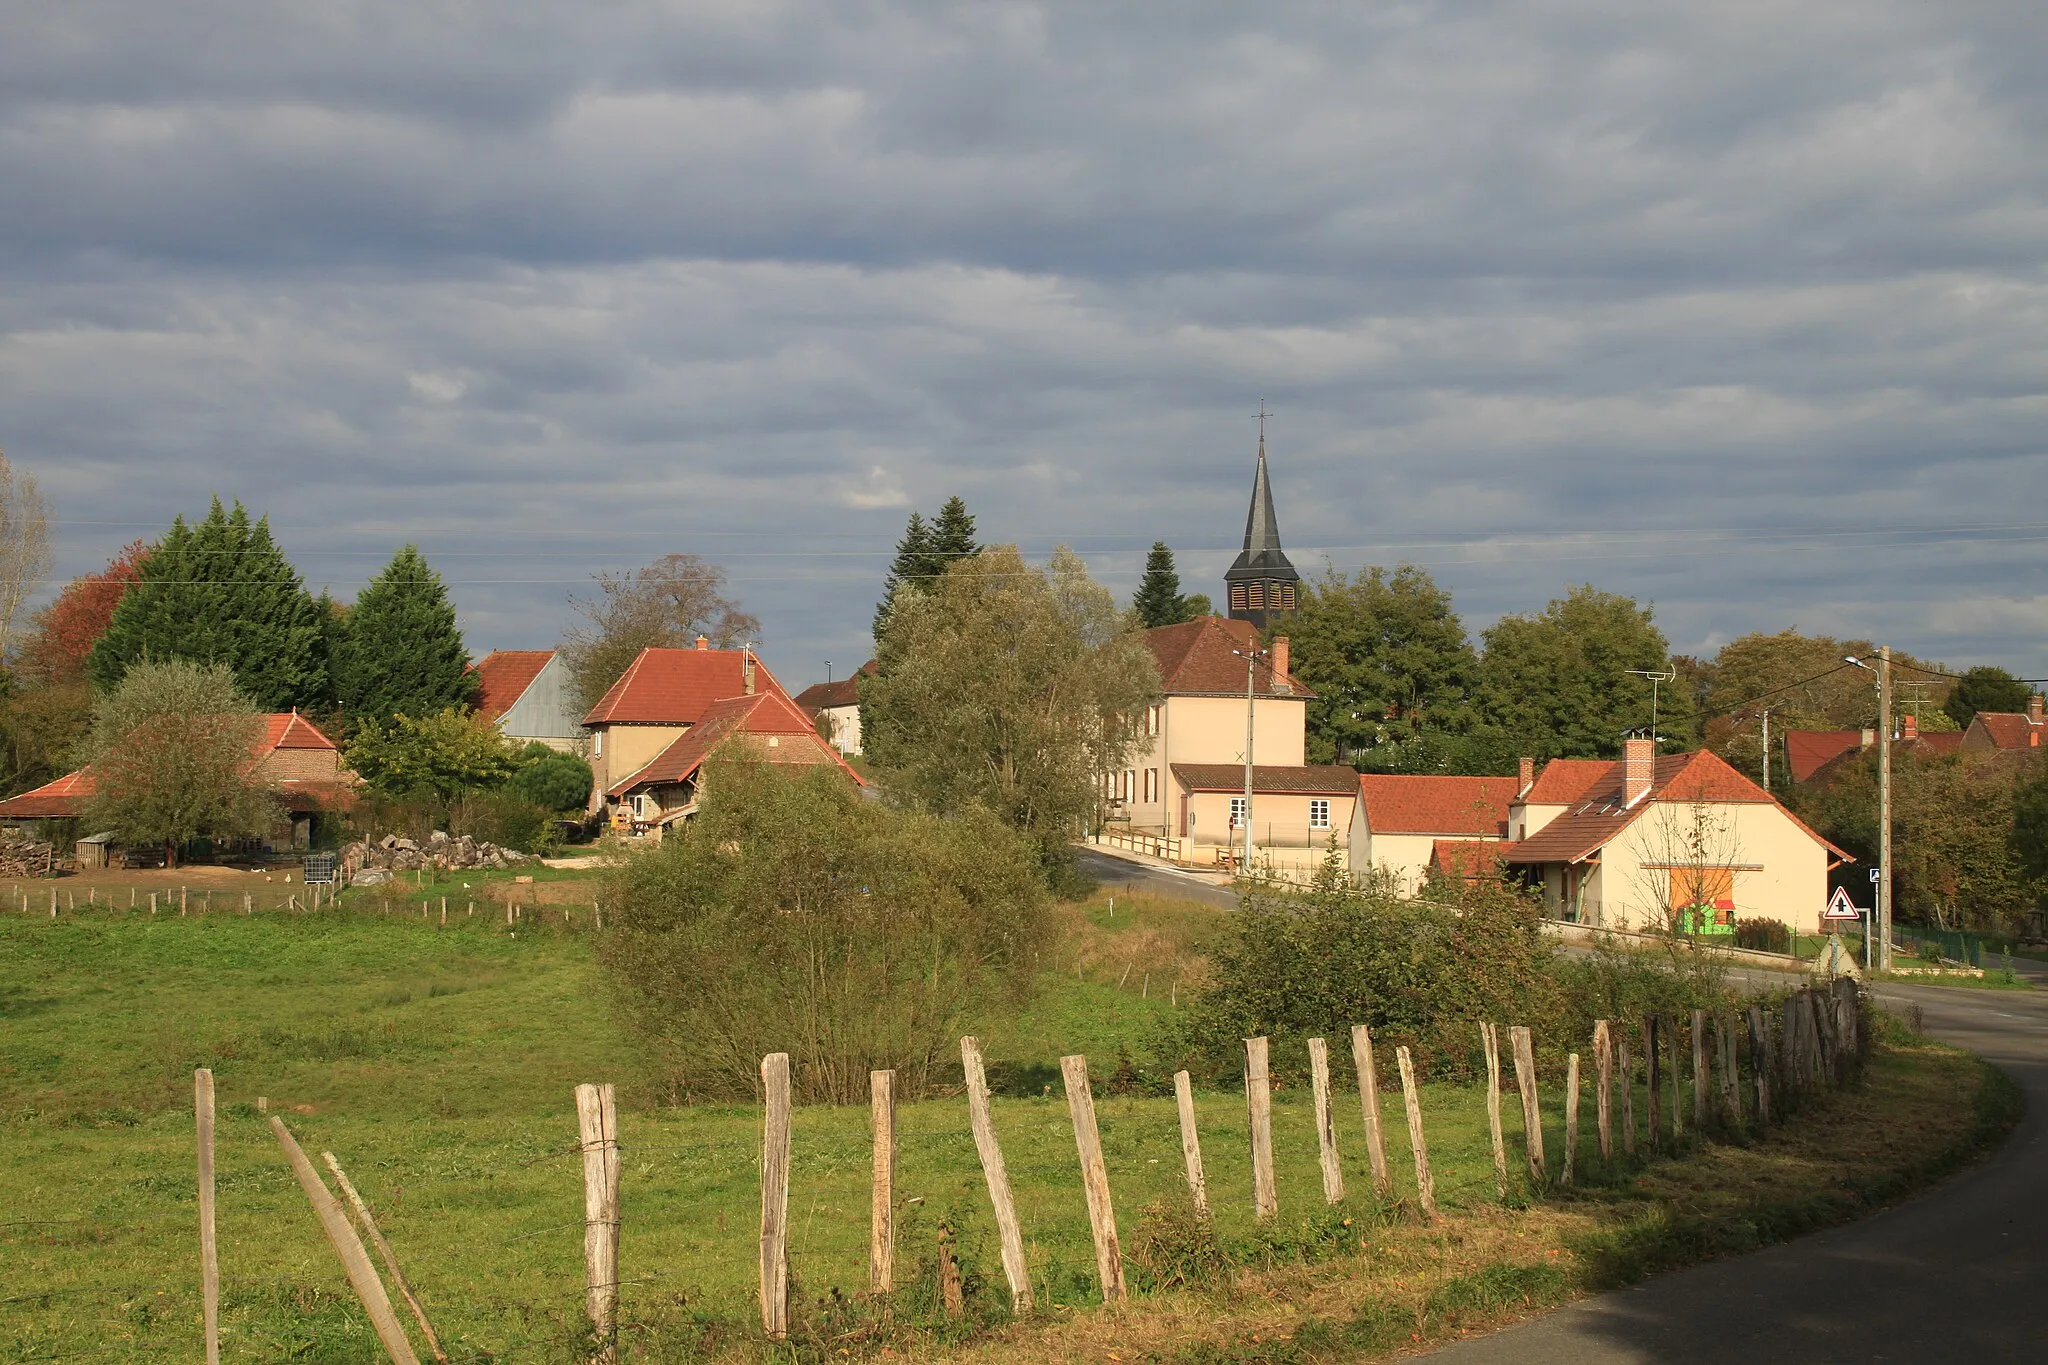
point(1108, 870)
point(1959, 1273)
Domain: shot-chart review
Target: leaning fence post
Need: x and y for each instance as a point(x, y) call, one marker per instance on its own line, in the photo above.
point(1489, 1042)
point(882, 1201)
point(384, 1250)
point(775, 1196)
point(1760, 1063)
point(1109, 1256)
point(1191, 1142)
point(1425, 1183)
point(1015, 1268)
point(1571, 1117)
point(1369, 1105)
point(1258, 1093)
point(209, 1252)
point(597, 1119)
point(1326, 1126)
point(348, 1248)
point(1724, 1057)
point(1626, 1065)
point(1603, 1072)
point(1532, 1112)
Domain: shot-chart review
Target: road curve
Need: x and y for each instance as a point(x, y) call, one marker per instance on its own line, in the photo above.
point(1958, 1274)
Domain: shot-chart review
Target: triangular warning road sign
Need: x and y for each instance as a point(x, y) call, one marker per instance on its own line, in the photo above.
point(1839, 907)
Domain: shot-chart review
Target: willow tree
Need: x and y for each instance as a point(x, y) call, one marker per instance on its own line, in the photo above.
point(1011, 688)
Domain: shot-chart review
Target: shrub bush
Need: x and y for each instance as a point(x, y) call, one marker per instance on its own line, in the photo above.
point(1764, 935)
point(794, 915)
point(551, 779)
point(505, 818)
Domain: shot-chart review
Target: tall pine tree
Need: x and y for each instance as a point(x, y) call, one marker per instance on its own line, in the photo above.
point(401, 653)
point(1158, 601)
point(220, 592)
point(952, 538)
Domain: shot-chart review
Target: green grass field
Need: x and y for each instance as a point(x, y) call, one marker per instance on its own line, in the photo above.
point(438, 1066)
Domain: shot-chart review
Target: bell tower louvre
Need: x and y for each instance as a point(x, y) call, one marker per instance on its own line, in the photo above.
point(1262, 583)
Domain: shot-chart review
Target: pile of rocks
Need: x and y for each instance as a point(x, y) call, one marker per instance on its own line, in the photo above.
point(366, 863)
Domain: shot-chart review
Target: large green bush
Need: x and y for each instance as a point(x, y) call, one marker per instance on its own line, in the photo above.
point(552, 779)
point(793, 915)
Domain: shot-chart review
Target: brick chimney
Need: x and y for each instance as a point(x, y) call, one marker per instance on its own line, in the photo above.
point(2034, 708)
point(703, 643)
point(747, 669)
point(1909, 728)
point(1278, 659)
point(1638, 768)
point(1528, 776)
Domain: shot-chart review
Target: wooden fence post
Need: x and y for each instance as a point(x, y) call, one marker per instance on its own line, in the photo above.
point(597, 1119)
point(1369, 1106)
point(1191, 1142)
point(1653, 1055)
point(1790, 1053)
point(1015, 1268)
point(1760, 1063)
point(1109, 1256)
point(384, 1250)
point(209, 1251)
point(348, 1248)
point(775, 1196)
point(1571, 1116)
point(1425, 1183)
point(882, 1199)
point(1489, 1042)
point(1626, 1065)
point(1258, 1092)
point(1677, 1090)
point(1326, 1124)
point(1699, 1069)
point(1532, 1112)
point(1724, 1056)
point(1603, 1080)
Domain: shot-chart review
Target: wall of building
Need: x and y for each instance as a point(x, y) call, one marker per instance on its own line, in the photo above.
point(1780, 871)
point(844, 724)
point(547, 712)
point(1280, 826)
point(1405, 857)
point(619, 751)
point(301, 765)
point(1210, 730)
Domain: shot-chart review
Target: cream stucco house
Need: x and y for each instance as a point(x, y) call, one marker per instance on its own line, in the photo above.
point(1406, 825)
point(1630, 844)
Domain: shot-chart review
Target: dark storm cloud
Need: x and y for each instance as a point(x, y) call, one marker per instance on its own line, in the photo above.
point(1737, 307)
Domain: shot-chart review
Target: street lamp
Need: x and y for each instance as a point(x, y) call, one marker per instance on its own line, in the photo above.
point(1251, 659)
point(1883, 670)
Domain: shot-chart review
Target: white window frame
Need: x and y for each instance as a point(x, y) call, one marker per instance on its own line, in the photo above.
point(1319, 813)
point(1239, 810)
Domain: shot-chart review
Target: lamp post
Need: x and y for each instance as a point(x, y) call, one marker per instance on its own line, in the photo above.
point(1884, 801)
point(1251, 659)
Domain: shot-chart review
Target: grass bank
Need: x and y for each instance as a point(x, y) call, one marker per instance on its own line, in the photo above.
point(438, 1066)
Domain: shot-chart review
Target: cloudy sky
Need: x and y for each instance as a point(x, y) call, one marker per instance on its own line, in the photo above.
point(1736, 307)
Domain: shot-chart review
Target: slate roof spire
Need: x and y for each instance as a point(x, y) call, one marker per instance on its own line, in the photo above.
point(1261, 584)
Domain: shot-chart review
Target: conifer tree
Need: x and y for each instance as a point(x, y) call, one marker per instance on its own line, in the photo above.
point(221, 592)
point(1158, 601)
point(912, 565)
point(952, 536)
point(401, 653)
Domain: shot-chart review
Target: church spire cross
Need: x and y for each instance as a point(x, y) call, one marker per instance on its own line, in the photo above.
point(1262, 581)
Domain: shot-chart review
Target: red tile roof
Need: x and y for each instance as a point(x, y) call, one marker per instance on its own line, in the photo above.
point(2009, 729)
point(1565, 780)
point(1277, 779)
point(1470, 859)
point(844, 692)
point(677, 686)
point(1399, 804)
point(1195, 659)
point(764, 714)
point(1601, 813)
point(503, 676)
point(65, 798)
point(1943, 742)
point(1808, 751)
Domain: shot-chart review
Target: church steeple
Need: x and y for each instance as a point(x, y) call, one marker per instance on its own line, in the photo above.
point(1261, 584)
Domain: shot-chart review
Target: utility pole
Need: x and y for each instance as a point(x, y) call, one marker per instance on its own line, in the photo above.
point(1884, 808)
point(1251, 665)
point(1767, 750)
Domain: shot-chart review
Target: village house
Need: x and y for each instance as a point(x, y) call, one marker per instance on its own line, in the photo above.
point(1818, 755)
point(664, 792)
point(655, 702)
point(529, 695)
point(1631, 844)
point(836, 708)
point(1407, 826)
point(290, 755)
point(2007, 732)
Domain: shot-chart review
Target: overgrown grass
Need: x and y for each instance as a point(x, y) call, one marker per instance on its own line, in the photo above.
point(438, 1064)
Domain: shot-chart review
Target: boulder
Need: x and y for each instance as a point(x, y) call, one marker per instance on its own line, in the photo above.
point(370, 876)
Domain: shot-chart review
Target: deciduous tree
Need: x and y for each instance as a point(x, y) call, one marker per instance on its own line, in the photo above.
point(60, 646)
point(551, 779)
point(1559, 684)
point(443, 755)
point(1985, 688)
point(661, 606)
point(173, 754)
point(1010, 688)
point(400, 650)
point(24, 548)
